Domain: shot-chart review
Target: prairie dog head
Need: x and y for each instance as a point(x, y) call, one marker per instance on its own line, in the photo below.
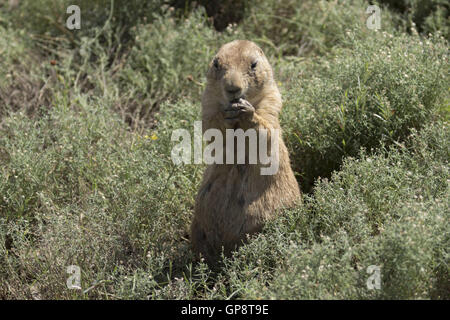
point(239, 70)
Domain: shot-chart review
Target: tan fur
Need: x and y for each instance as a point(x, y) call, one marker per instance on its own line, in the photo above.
point(236, 200)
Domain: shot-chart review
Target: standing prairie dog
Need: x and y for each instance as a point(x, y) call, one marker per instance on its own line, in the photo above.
point(236, 199)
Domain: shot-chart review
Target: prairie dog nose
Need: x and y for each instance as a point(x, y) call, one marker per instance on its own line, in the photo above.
point(234, 84)
point(233, 90)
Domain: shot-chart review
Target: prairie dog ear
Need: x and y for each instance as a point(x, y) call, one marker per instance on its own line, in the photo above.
point(211, 67)
point(260, 51)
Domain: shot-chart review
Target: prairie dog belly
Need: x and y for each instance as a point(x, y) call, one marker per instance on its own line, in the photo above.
point(226, 204)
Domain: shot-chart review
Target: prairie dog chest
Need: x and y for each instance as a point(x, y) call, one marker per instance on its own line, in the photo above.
point(233, 188)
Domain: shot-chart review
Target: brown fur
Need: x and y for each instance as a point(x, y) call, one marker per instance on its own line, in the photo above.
point(236, 200)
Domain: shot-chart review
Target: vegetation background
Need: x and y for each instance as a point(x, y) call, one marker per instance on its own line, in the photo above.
point(86, 176)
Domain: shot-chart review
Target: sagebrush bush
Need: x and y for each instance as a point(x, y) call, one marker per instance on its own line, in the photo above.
point(78, 188)
point(373, 94)
point(299, 28)
point(47, 18)
point(22, 78)
point(427, 15)
point(389, 209)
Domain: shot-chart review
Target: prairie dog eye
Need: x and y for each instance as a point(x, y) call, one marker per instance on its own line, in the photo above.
point(216, 63)
point(254, 63)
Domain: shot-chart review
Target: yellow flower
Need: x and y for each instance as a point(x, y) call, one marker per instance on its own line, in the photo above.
point(152, 137)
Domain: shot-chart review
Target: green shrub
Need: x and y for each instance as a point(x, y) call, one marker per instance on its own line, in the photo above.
point(299, 28)
point(390, 209)
point(78, 188)
point(364, 97)
point(22, 78)
point(428, 15)
point(48, 18)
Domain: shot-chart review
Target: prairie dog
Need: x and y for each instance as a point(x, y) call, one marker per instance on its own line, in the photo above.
point(236, 199)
